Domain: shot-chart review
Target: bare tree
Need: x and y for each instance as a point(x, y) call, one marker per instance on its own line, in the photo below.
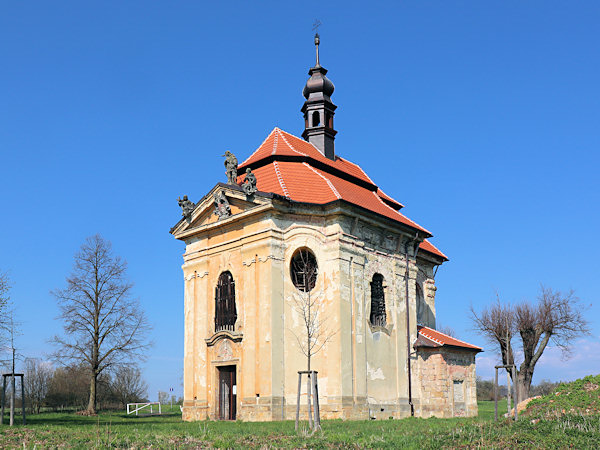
point(5, 310)
point(38, 375)
point(128, 386)
point(4, 288)
point(556, 317)
point(11, 327)
point(8, 332)
point(308, 306)
point(103, 325)
point(315, 331)
point(69, 386)
point(447, 330)
point(163, 397)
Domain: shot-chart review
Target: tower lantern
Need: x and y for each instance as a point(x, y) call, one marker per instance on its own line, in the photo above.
point(318, 109)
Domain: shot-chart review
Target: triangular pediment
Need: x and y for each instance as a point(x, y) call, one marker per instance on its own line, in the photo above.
point(224, 202)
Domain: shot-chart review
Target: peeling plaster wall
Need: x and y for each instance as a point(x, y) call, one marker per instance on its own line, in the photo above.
point(377, 355)
point(442, 372)
point(362, 370)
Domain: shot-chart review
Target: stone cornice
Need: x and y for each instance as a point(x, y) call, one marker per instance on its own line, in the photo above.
point(182, 235)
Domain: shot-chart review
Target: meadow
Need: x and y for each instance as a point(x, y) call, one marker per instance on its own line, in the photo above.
point(545, 429)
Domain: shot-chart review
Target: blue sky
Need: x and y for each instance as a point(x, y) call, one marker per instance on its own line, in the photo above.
point(482, 118)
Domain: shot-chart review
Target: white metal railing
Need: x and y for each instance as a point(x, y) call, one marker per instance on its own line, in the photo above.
point(139, 406)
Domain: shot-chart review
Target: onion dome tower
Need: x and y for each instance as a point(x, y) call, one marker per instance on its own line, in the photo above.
point(318, 109)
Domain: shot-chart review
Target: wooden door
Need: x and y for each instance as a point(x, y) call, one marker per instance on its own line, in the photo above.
point(227, 393)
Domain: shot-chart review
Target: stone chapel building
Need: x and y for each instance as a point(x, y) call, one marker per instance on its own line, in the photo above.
point(297, 201)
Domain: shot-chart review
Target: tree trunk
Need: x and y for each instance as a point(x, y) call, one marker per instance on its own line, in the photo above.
point(92, 403)
point(523, 382)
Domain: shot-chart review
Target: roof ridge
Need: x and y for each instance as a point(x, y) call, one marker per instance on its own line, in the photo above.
point(258, 148)
point(280, 179)
point(275, 143)
point(360, 168)
point(281, 132)
point(308, 142)
point(451, 337)
point(382, 191)
point(327, 180)
point(431, 338)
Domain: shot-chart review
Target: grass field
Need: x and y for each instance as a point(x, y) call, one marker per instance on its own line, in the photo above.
point(52, 430)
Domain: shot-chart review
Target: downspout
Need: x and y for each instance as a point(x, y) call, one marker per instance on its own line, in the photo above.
point(408, 352)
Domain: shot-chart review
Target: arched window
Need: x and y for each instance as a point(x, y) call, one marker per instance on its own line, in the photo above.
point(377, 317)
point(328, 120)
point(225, 313)
point(316, 119)
point(304, 270)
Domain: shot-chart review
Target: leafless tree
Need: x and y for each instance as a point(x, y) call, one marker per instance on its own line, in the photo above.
point(69, 386)
point(447, 330)
point(8, 332)
point(163, 397)
point(128, 386)
point(103, 325)
point(38, 375)
point(5, 312)
point(556, 317)
point(308, 305)
point(4, 288)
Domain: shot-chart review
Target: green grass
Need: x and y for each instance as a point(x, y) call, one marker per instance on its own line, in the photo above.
point(116, 430)
point(486, 409)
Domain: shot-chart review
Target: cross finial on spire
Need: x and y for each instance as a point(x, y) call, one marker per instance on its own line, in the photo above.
point(315, 28)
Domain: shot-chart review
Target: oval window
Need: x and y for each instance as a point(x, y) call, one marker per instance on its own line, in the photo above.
point(304, 270)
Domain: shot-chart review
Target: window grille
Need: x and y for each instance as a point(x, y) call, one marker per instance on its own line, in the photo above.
point(225, 312)
point(378, 317)
point(304, 270)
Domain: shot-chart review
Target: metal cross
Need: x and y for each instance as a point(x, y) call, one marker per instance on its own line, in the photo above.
point(316, 25)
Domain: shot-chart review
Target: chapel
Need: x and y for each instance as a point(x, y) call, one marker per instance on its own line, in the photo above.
point(296, 221)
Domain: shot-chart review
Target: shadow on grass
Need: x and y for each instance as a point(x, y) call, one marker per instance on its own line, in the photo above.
point(103, 418)
point(173, 418)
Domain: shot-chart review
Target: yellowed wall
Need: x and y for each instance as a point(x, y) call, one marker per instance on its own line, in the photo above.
point(362, 370)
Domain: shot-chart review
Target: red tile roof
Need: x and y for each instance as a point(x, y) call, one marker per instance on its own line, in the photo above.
point(289, 166)
point(429, 247)
point(434, 338)
point(280, 143)
point(389, 200)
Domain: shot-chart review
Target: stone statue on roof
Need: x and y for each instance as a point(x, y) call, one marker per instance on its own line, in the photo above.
point(222, 207)
point(249, 184)
point(187, 207)
point(231, 164)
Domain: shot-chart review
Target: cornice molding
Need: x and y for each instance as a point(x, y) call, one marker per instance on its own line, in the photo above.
point(223, 334)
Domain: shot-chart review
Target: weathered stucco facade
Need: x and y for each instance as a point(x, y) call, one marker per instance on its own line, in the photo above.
point(374, 289)
point(363, 369)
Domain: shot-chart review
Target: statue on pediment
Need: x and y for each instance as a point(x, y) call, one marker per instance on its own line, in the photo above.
point(187, 207)
point(222, 208)
point(249, 184)
point(231, 164)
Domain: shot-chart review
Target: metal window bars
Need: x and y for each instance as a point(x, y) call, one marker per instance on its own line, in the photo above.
point(225, 311)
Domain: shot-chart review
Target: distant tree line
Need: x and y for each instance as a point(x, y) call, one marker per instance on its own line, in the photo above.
point(68, 387)
point(485, 389)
